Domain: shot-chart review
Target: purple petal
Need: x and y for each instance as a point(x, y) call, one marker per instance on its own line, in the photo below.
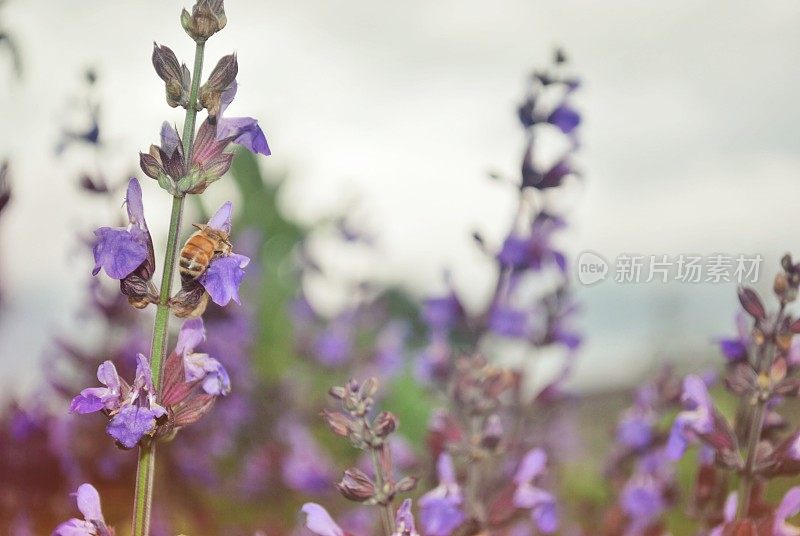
point(677, 444)
point(527, 496)
point(108, 376)
point(319, 521)
point(75, 527)
point(442, 312)
point(191, 335)
point(144, 376)
point(405, 519)
point(733, 349)
point(170, 140)
point(223, 277)
point(532, 466)
point(88, 401)
point(227, 96)
point(440, 516)
point(790, 504)
point(118, 251)
point(565, 118)
point(89, 503)
point(446, 471)
point(221, 220)
point(133, 200)
point(245, 132)
point(545, 516)
point(130, 425)
point(509, 322)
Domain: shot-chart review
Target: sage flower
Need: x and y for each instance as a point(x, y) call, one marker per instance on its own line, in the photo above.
point(93, 523)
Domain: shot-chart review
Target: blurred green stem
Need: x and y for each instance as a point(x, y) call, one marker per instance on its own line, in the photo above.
point(387, 519)
point(147, 452)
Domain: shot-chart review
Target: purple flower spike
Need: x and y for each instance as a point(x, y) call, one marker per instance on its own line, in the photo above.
point(789, 507)
point(199, 366)
point(440, 508)
point(131, 424)
point(320, 522)
point(120, 251)
point(223, 277)
point(242, 131)
point(93, 523)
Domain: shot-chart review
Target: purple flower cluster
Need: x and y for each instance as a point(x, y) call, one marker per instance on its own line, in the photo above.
point(761, 371)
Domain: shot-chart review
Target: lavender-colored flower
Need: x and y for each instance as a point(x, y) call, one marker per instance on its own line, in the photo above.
point(131, 424)
point(120, 251)
point(441, 508)
point(404, 521)
point(635, 429)
point(565, 118)
point(306, 468)
point(642, 500)
point(528, 496)
point(735, 348)
point(334, 345)
point(319, 521)
point(242, 131)
point(697, 418)
point(93, 523)
point(728, 515)
point(224, 274)
point(789, 507)
point(98, 398)
point(510, 322)
point(443, 312)
point(199, 366)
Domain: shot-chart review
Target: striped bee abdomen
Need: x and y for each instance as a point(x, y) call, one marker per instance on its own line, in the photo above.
point(196, 255)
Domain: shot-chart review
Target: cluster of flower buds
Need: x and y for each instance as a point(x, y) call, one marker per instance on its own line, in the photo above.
point(206, 19)
point(370, 434)
point(136, 412)
point(181, 174)
point(762, 366)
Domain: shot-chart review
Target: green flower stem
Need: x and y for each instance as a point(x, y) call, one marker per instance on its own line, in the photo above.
point(147, 452)
point(387, 519)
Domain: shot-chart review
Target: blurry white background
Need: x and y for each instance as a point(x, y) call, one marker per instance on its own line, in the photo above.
point(399, 109)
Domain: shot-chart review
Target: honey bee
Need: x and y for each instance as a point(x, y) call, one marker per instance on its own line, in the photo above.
point(200, 249)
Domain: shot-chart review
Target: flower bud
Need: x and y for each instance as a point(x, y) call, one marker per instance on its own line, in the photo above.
point(356, 485)
point(207, 18)
point(191, 301)
point(338, 392)
point(368, 388)
point(175, 75)
point(752, 303)
point(384, 424)
point(220, 79)
point(337, 422)
point(406, 484)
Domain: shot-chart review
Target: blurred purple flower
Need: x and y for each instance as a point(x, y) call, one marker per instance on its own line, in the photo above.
point(642, 500)
point(319, 521)
point(528, 496)
point(97, 398)
point(121, 250)
point(440, 509)
point(306, 468)
point(735, 348)
point(635, 429)
point(243, 131)
point(565, 118)
point(697, 417)
point(509, 322)
point(443, 312)
point(789, 507)
point(404, 521)
point(728, 515)
point(93, 523)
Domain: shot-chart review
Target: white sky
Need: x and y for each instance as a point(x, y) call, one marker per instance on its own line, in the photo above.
point(690, 142)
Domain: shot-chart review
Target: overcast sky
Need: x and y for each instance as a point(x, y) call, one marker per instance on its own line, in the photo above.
point(690, 142)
